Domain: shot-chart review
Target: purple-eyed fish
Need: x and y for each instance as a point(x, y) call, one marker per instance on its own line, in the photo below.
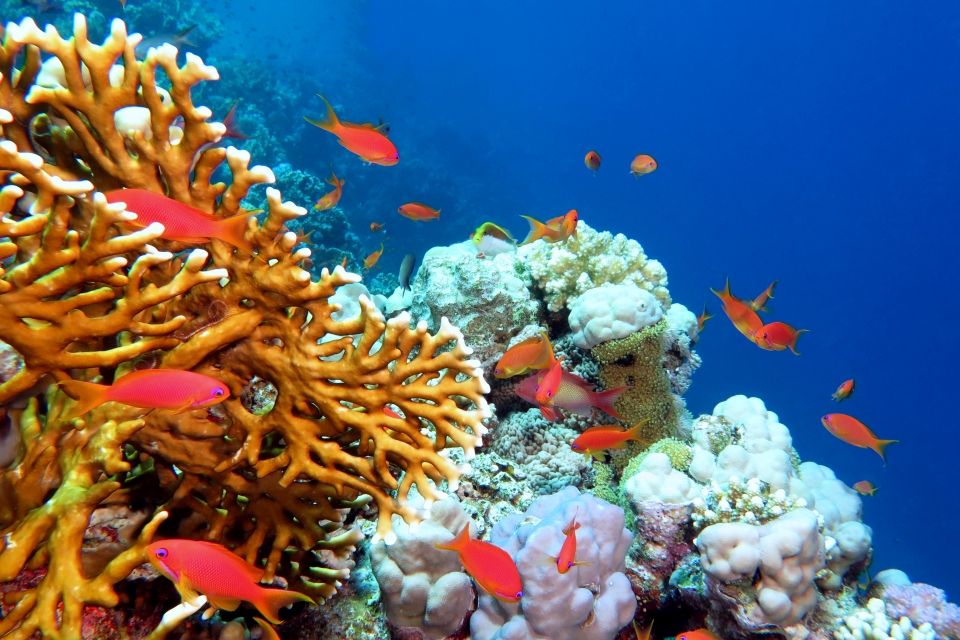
point(492, 567)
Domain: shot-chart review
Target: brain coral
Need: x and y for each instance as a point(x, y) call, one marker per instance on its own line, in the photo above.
point(565, 270)
point(612, 312)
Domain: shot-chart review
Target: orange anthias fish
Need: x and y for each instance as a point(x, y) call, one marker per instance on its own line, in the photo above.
point(865, 488)
point(532, 353)
point(777, 336)
point(843, 391)
point(573, 394)
point(596, 440)
point(699, 634)
point(330, 200)
point(642, 164)
point(592, 160)
point(741, 315)
point(371, 259)
point(568, 550)
point(702, 319)
point(168, 389)
point(492, 567)
point(365, 140)
point(854, 432)
point(376, 226)
point(210, 569)
point(645, 634)
point(760, 302)
point(180, 221)
point(419, 211)
point(554, 230)
point(548, 385)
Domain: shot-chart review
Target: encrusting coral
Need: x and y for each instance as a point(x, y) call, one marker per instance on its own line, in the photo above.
point(84, 297)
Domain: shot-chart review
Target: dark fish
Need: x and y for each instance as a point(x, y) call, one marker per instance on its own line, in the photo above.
point(177, 40)
point(44, 6)
point(406, 270)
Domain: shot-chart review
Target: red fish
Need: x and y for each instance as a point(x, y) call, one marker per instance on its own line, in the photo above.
point(642, 164)
point(365, 140)
point(419, 211)
point(568, 550)
point(741, 315)
point(532, 353)
point(210, 569)
point(554, 230)
point(702, 319)
point(492, 567)
point(548, 385)
point(865, 488)
point(233, 127)
point(777, 336)
point(592, 160)
point(371, 259)
point(180, 221)
point(843, 391)
point(330, 200)
point(699, 634)
point(760, 302)
point(376, 226)
point(573, 394)
point(854, 432)
point(168, 389)
point(594, 441)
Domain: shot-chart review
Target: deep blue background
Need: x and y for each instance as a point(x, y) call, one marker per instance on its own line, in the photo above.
point(813, 142)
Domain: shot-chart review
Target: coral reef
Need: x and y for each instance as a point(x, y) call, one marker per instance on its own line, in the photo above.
point(83, 296)
point(875, 624)
point(923, 605)
point(567, 269)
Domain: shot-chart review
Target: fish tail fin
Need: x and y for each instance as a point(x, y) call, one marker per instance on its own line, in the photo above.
point(267, 632)
point(87, 394)
point(546, 357)
point(270, 601)
point(329, 120)
point(769, 291)
point(880, 446)
point(234, 231)
point(233, 127)
point(182, 36)
point(537, 230)
point(604, 400)
point(458, 542)
point(634, 432)
point(796, 337)
point(335, 181)
point(725, 294)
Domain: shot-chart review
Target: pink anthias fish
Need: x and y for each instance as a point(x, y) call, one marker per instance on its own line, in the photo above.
point(573, 394)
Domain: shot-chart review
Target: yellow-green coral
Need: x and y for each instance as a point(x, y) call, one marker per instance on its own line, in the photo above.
point(636, 361)
point(678, 451)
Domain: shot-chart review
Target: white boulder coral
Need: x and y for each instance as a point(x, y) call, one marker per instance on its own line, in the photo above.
point(565, 270)
point(612, 312)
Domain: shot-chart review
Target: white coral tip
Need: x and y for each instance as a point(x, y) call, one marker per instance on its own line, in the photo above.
point(390, 538)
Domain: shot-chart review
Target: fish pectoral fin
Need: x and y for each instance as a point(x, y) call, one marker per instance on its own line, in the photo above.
point(187, 593)
point(178, 410)
point(227, 604)
point(599, 455)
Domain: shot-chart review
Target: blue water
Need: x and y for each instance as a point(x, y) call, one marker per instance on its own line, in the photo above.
point(815, 143)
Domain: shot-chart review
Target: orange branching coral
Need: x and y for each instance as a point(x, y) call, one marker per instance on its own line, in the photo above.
point(85, 296)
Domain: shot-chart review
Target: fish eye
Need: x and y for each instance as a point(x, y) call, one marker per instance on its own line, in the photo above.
point(575, 447)
point(161, 553)
point(519, 594)
point(218, 392)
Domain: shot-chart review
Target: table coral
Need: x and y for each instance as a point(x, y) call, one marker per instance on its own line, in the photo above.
point(84, 297)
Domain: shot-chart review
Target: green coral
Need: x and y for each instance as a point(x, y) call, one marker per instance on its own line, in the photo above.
point(636, 361)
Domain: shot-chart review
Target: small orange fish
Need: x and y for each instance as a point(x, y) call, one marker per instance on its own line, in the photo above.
point(596, 440)
point(371, 259)
point(642, 164)
point(180, 221)
point(699, 634)
point(777, 336)
point(376, 226)
point(365, 140)
point(532, 353)
point(568, 550)
point(419, 211)
point(573, 394)
point(548, 385)
point(645, 634)
point(741, 315)
point(843, 391)
point(492, 567)
point(865, 488)
point(760, 302)
point(304, 237)
point(210, 569)
point(702, 319)
point(554, 230)
point(592, 160)
point(168, 389)
point(346, 257)
point(330, 200)
point(854, 432)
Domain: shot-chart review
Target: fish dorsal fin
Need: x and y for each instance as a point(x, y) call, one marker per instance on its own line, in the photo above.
point(383, 129)
point(226, 555)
